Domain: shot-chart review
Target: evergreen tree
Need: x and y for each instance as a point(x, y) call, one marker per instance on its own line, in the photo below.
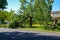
point(3, 4)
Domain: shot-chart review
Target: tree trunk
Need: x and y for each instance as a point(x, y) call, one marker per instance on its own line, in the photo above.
point(31, 21)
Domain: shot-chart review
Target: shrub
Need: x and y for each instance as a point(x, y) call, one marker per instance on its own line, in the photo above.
point(58, 24)
point(14, 24)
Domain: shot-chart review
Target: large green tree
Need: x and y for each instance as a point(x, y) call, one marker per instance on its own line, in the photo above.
point(40, 9)
point(9, 16)
point(43, 8)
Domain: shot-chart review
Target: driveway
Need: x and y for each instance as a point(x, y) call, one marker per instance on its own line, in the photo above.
point(14, 34)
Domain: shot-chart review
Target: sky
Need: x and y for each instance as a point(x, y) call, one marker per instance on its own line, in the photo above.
point(15, 5)
point(56, 5)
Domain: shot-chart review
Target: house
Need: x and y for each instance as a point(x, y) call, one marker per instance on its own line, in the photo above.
point(55, 17)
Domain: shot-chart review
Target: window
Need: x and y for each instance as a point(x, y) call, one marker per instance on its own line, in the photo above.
point(55, 14)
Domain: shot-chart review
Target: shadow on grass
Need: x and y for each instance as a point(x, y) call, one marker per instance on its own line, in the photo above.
point(25, 36)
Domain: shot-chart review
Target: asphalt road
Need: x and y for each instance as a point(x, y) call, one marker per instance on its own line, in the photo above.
point(14, 34)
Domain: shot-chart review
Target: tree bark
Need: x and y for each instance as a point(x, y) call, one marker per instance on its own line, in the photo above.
point(31, 21)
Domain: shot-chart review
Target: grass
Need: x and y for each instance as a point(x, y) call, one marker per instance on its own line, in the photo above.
point(36, 25)
point(3, 25)
point(38, 28)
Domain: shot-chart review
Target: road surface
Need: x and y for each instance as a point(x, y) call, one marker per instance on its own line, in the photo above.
point(14, 34)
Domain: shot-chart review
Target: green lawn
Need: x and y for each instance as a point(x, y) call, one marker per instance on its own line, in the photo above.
point(36, 27)
point(3, 25)
point(38, 30)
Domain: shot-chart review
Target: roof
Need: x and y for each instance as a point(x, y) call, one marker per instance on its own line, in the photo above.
point(55, 12)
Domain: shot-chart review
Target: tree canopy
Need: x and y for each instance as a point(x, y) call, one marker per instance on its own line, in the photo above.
point(38, 9)
point(3, 4)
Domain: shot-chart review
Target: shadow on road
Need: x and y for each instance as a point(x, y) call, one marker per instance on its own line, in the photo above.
point(25, 36)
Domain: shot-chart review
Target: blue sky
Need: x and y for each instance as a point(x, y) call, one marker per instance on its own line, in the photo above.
point(56, 5)
point(15, 4)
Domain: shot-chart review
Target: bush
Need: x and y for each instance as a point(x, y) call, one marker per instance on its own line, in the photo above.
point(58, 24)
point(14, 24)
